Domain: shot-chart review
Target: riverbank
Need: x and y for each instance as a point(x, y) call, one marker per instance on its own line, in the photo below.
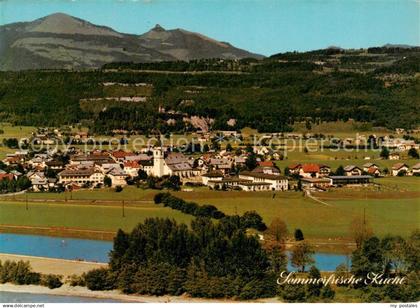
point(67, 290)
point(54, 266)
point(59, 232)
point(327, 245)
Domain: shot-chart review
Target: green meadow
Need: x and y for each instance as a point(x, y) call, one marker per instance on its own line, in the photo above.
point(91, 217)
point(387, 209)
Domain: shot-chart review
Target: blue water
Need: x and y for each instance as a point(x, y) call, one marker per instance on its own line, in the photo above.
point(91, 250)
point(11, 297)
point(55, 247)
point(324, 261)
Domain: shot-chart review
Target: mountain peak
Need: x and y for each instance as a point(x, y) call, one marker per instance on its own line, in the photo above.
point(62, 23)
point(158, 27)
point(58, 15)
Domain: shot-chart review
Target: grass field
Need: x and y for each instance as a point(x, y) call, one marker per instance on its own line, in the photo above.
point(128, 193)
point(95, 217)
point(13, 132)
point(395, 208)
point(322, 221)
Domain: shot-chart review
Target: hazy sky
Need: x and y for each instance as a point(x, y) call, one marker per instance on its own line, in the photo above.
point(262, 26)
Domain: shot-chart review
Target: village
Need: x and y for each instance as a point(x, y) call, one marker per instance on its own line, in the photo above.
point(243, 168)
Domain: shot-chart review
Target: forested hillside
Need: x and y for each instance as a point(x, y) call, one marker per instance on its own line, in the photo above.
point(378, 85)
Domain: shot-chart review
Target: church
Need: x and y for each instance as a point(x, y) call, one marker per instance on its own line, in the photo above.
point(171, 164)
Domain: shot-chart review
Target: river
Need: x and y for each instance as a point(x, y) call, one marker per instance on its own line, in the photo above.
point(12, 297)
point(94, 250)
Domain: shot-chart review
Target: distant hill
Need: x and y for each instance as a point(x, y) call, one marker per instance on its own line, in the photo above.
point(61, 41)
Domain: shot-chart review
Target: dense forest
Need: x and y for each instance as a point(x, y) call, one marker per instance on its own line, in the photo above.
point(377, 85)
point(221, 260)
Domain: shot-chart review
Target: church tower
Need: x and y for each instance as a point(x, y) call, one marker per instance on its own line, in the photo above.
point(158, 163)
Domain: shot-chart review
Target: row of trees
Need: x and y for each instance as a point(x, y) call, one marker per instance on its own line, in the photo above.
point(14, 185)
point(207, 260)
point(270, 100)
point(21, 273)
point(249, 219)
point(390, 256)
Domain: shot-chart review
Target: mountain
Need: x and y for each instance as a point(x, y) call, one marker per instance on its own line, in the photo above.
point(61, 41)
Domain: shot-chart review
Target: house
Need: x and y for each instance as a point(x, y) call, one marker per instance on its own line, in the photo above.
point(254, 186)
point(267, 170)
point(132, 168)
point(117, 176)
point(321, 183)
point(295, 169)
point(367, 166)
point(394, 156)
point(352, 170)
point(314, 170)
point(374, 171)
point(120, 155)
point(276, 182)
point(139, 157)
point(239, 160)
point(6, 176)
point(228, 182)
point(14, 159)
point(399, 169)
point(340, 180)
point(277, 156)
point(211, 176)
point(222, 164)
point(97, 159)
point(415, 170)
point(261, 150)
point(81, 176)
point(55, 165)
point(146, 166)
point(39, 181)
point(266, 164)
point(39, 160)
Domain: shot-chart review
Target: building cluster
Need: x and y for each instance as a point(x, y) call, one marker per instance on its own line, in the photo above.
point(215, 169)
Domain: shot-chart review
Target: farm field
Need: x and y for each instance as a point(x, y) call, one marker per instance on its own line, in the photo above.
point(92, 217)
point(128, 194)
point(388, 210)
point(10, 131)
point(322, 221)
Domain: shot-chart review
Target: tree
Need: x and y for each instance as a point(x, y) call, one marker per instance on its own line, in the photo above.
point(293, 293)
point(107, 181)
point(252, 219)
point(142, 175)
point(340, 170)
point(277, 258)
point(120, 247)
point(360, 230)
point(367, 258)
point(393, 248)
point(413, 153)
point(277, 229)
point(299, 235)
point(327, 292)
point(384, 153)
point(229, 147)
point(314, 289)
point(302, 255)
point(251, 161)
point(206, 148)
point(299, 185)
point(99, 279)
point(286, 171)
point(51, 281)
